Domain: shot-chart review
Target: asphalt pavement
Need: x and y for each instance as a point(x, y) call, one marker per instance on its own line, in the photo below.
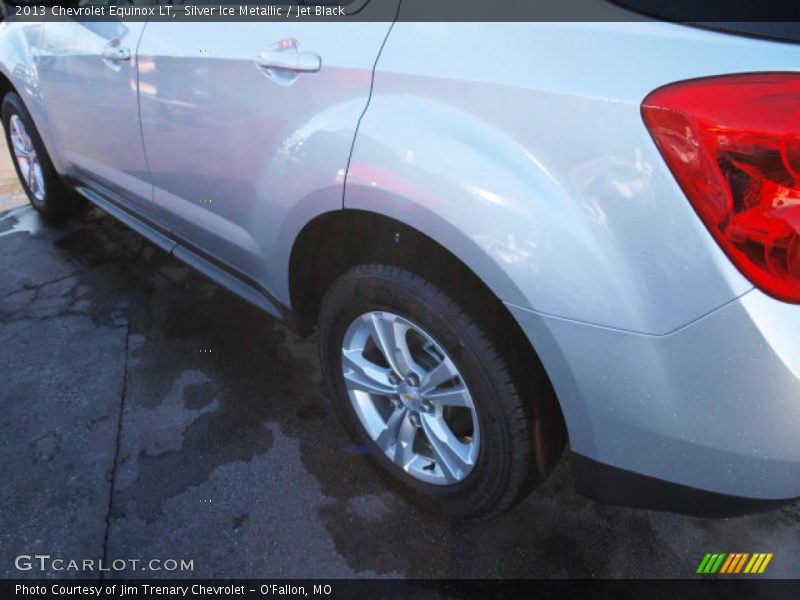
point(146, 413)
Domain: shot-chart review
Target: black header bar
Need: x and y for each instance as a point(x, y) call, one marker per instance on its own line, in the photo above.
point(704, 11)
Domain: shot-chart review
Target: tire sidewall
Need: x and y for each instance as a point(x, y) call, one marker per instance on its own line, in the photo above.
point(367, 289)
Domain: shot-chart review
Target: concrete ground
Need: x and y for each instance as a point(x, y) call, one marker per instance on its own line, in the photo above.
point(147, 413)
point(11, 194)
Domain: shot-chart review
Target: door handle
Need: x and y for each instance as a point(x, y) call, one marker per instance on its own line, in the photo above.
point(304, 62)
point(115, 52)
point(283, 62)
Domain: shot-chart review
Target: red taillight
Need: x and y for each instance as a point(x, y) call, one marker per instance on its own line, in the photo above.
point(733, 144)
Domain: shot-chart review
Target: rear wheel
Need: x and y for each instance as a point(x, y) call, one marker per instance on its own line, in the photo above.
point(416, 380)
point(35, 170)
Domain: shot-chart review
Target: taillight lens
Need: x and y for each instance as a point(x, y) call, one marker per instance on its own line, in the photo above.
point(733, 144)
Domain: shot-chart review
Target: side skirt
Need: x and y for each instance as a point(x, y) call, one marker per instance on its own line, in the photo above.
point(218, 271)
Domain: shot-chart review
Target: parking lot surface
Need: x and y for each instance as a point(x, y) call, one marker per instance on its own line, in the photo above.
point(147, 413)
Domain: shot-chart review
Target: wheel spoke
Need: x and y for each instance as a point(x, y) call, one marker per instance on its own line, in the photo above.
point(19, 147)
point(452, 455)
point(39, 178)
point(20, 139)
point(32, 176)
point(444, 371)
point(25, 170)
point(404, 450)
point(455, 396)
point(362, 374)
point(390, 337)
point(388, 437)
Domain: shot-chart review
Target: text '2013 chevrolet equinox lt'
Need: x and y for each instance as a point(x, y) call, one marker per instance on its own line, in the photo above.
point(504, 247)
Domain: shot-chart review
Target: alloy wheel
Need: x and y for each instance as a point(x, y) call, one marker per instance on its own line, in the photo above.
point(29, 166)
point(410, 398)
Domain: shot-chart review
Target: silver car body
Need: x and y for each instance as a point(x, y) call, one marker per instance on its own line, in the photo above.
point(527, 159)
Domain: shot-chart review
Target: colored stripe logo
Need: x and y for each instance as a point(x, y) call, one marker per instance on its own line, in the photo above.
point(736, 562)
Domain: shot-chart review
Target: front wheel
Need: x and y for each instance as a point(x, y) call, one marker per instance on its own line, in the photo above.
point(416, 380)
point(35, 170)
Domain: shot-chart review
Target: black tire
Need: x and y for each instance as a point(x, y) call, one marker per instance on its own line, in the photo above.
point(58, 202)
point(510, 461)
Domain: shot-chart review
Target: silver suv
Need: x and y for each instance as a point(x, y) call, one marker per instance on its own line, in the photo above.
point(508, 235)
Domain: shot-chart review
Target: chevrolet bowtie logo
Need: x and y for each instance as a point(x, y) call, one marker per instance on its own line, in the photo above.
point(737, 562)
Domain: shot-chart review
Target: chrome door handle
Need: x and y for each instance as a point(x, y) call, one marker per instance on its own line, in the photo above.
point(283, 62)
point(305, 62)
point(115, 52)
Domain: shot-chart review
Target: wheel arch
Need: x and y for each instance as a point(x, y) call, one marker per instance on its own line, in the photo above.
point(18, 74)
point(332, 242)
point(6, 85)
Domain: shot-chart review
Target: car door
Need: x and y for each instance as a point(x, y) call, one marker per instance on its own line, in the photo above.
point(88, 76)
point(248, 128)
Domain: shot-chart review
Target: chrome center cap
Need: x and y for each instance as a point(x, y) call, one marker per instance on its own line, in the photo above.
point(410, 397)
